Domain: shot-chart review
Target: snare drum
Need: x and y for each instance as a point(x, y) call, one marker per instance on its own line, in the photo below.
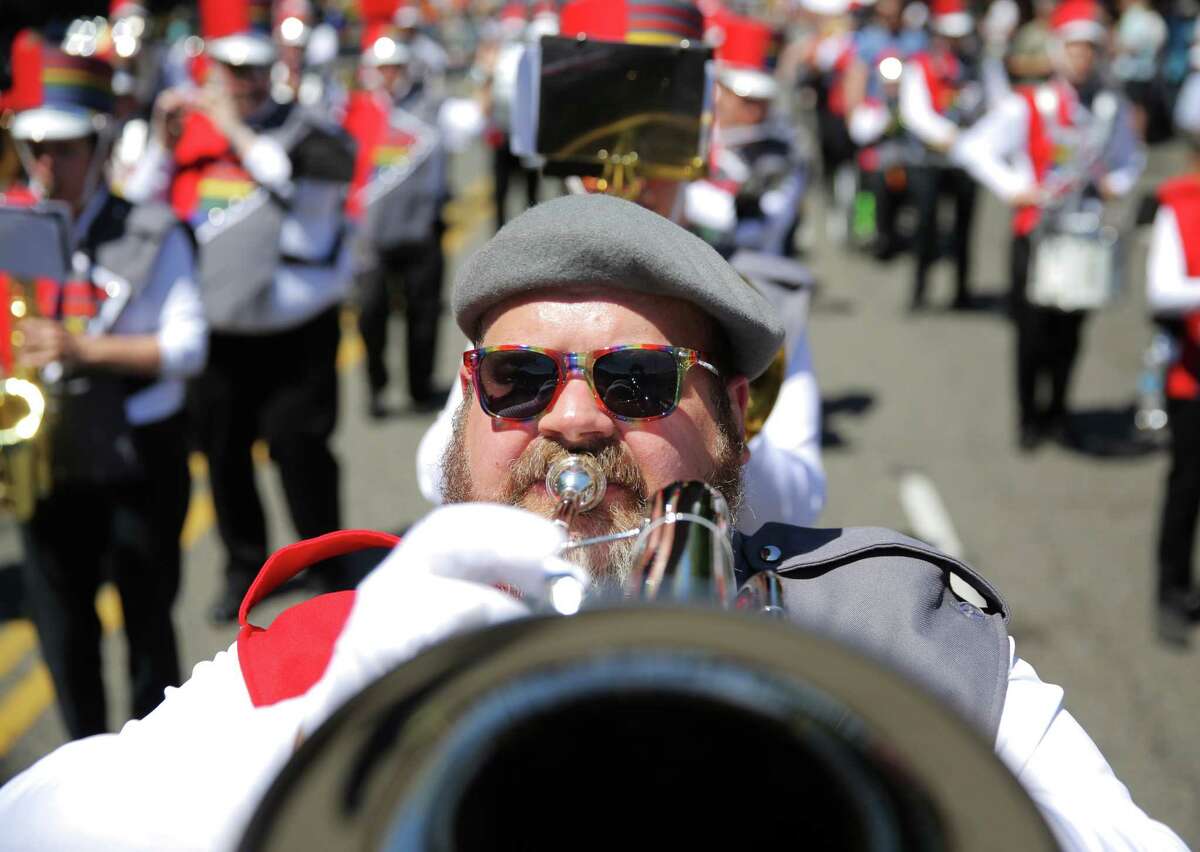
point(1075, 267)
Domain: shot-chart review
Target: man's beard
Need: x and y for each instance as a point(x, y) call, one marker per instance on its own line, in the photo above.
point(608, 564)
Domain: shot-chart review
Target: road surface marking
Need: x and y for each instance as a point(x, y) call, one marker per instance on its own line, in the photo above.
point(23, 704)
point(931, 523)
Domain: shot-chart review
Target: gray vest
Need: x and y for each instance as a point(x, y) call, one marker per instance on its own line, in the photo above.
point(889, 597)
point(241, 246)
point(92, 441)
point(125, 241)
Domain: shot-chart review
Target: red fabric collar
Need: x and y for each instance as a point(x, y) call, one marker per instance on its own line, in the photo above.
point(285, 659)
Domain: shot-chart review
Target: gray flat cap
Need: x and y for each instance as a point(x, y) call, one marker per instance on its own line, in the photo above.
point(585, 240)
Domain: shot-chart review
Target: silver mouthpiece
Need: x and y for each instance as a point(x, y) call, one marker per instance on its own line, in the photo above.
point(578, 484)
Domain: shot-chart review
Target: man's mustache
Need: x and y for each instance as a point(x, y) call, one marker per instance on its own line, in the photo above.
point(534, 463)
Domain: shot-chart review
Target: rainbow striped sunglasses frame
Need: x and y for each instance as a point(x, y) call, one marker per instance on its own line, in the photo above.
point(568, 363)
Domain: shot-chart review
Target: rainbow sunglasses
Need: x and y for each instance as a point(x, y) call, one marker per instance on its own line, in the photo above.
point(636, 382)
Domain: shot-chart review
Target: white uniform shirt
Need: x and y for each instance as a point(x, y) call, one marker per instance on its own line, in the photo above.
point(168, 307)
point(996, 151)
point(1169, 289)
point(190, 775)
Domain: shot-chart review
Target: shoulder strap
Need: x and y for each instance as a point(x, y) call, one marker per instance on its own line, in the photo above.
point(800, 550)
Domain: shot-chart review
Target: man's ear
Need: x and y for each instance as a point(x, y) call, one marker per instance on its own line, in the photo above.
point(738, 389)
point(464, 379)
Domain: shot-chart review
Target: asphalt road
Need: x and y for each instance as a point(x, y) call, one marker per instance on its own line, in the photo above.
point(919, 436)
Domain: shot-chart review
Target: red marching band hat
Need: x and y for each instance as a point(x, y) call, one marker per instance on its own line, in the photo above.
point(26, 61)
point(664, 22)
point(237, 32)
point(744, 53)
point(380, 43)
point(950, 18)
point(1079, 20)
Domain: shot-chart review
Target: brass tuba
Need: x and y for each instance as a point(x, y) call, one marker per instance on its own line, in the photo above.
point(647, 727)
point(25, 473)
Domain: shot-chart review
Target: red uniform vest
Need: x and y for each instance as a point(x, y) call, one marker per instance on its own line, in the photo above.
point(1043, 153)
point(285, 659)
point(941, 72)
point(1182, 195)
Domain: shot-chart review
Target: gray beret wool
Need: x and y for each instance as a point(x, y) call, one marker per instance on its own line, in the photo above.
point(585, 240)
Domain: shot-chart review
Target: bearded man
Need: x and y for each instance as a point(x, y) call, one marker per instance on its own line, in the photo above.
point(599, 328)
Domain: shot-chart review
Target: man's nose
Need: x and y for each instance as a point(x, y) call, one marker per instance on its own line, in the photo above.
point(576, 418)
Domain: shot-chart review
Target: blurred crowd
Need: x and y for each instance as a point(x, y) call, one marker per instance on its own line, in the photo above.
point(195, 196)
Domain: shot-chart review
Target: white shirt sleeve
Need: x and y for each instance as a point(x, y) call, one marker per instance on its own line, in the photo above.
point(992, 150)
point(182, 328)
point(867, 123)
point(1064, 773)
point(150, 178)
point(269, 165)
point(1169, 290)
point(918, 113)
point(784, 478)
point(188, 776)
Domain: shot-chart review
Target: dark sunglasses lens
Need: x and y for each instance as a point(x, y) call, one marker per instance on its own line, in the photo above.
point(637, 383)
point(517, 384)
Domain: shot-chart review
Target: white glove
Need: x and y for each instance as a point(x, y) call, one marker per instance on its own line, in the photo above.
point(440, 580)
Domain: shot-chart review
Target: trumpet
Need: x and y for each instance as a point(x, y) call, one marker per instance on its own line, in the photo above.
point(683, 552)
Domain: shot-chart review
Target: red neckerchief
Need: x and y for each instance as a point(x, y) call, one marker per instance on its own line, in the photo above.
point(1040, 143)
point(200, 146)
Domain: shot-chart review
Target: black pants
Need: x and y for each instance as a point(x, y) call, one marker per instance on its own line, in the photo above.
point(887, 204)
point(1047, 346)
point(283, 388)
point(414, 272)
point(131, 530)
point(1177, 530)
point(927, 185)
point(504, 163)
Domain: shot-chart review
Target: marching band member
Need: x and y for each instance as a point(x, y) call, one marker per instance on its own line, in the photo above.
point(756, 170)
point(884, 152)
point(264, 186)
point(1066, 143)
point(497, 62)
point(1173, 291)
point(400, 125)
point(756, 211)
point(941, 94)
point(573, 276)
point(120, 485)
